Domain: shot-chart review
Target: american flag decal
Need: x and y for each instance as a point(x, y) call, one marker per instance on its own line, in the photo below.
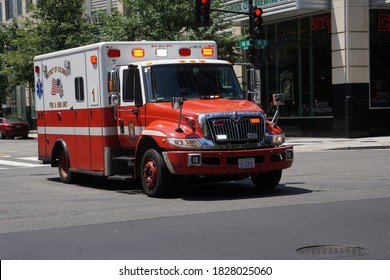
point(56, 87)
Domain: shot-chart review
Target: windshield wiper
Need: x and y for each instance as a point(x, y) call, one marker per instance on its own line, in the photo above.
point(163, 99)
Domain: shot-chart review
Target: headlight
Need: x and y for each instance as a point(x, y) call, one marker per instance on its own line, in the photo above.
point(185, 143)
point(275, 139)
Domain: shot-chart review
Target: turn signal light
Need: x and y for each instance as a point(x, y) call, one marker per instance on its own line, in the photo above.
point(93, 59)
point(208, 51)
point(138, 52)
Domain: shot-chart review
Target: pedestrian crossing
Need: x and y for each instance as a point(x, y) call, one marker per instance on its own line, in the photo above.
point(8, 162)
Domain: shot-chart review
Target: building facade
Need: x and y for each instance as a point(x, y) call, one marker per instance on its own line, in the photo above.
point(329, 58)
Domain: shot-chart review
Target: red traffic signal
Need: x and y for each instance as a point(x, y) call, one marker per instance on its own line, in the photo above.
point(257, 22)
point(202, 13)
point(258, 12)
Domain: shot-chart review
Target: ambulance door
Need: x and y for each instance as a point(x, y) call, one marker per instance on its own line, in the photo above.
point(81, 117)
point(95, 112)
point(40, 112)
point(130, 116)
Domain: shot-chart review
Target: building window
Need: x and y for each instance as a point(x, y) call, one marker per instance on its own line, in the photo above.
point(9, 9)
point(19, 7)
point(297, 63)
point(79, 89)
point(379, 59)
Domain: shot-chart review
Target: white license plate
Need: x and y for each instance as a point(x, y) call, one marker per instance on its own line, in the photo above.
point(18, 126)
point(244, 163)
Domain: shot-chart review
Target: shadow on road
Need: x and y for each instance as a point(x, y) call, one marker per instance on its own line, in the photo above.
point(199, 191)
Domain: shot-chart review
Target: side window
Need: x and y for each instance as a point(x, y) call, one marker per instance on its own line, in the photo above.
point(79, 89)
point(131, 84)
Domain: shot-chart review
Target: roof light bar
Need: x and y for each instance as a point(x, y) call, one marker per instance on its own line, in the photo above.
point(208, 51)
point(138, 52)
point(114, 53)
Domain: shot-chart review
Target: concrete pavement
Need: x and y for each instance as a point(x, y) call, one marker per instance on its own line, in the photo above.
point(317, 144)
point(307, 144)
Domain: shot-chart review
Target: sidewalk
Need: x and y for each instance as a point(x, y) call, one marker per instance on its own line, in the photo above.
point(318, 144)
point(307, 144)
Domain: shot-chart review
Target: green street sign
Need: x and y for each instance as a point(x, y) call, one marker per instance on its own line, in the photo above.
point(257, 43)
point(261, 43)
point(244, 44)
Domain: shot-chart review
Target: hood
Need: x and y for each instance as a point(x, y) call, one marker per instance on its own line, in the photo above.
point(194, 108)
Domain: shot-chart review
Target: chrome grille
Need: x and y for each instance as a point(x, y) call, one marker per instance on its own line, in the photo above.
point(236, 128)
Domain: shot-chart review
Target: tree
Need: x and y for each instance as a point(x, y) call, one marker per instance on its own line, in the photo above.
point(7, 32)
point(53, 25)
point(168, 20)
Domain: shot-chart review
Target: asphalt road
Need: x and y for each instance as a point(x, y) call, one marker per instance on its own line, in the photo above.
point(340, 199)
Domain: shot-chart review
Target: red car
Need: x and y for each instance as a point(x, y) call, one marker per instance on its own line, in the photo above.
point(13, 127)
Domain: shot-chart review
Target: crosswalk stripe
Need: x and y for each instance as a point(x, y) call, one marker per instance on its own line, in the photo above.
point(18, 164)
point(29, 158)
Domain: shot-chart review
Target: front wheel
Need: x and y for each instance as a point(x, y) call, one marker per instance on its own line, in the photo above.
point(155, 176)
point(267, 180)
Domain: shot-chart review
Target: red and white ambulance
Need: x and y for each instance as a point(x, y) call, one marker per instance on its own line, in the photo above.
point(152, 111)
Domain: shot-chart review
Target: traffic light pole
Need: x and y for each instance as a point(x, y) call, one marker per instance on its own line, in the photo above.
point(251, 47)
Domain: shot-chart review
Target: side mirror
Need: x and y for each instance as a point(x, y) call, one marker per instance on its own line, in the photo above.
point(278, 99)
point(113, 82)
point(252, 79)
point(177, 102)
point(115, 99)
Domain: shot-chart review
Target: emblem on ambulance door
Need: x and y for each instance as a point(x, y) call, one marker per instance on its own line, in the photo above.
point(56, 87)
point(39, 88)
point(131, 130)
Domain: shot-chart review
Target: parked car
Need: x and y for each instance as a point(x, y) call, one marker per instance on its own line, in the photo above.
point(13, 127)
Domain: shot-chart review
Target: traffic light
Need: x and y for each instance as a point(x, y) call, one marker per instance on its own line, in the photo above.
point(257, 22)
point(202, 13)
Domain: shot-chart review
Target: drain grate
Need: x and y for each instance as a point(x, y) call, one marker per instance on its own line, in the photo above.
point(333, 251)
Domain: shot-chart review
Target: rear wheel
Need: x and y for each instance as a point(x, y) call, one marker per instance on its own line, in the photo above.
point(267, 180)
point(155, 176)
point(66, 176)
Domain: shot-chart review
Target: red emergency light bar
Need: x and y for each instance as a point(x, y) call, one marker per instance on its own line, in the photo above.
point(114, 53)
point(185, 52)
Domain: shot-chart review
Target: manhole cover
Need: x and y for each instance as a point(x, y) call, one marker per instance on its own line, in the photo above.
point(333, 251)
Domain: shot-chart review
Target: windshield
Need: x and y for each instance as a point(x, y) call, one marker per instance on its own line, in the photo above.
point(192, 81)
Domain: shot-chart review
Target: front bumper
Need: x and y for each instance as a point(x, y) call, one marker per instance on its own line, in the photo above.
point(221, 162)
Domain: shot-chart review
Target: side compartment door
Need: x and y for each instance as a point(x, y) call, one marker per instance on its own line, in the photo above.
point(131, 117)
point(81, 116)
point(95, 113)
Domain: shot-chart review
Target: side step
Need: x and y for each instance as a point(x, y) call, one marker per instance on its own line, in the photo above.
point(130, 160)
point(123, 166)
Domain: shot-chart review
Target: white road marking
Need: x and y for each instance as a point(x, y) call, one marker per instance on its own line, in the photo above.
point(18, 163)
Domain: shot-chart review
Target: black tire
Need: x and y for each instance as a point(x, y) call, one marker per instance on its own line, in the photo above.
point(66, 176)
point(267, 180)
point(155, 176)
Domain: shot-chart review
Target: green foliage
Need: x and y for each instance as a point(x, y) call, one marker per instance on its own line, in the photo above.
point(7, 32)
point(53, 25)
point(171, 20)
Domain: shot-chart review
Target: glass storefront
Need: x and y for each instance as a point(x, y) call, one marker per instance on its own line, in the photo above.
point(297, 62)
point(380, 59)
